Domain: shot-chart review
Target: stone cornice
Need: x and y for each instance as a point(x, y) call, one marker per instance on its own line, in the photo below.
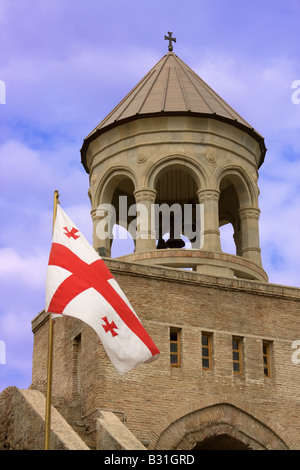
point(162, 273)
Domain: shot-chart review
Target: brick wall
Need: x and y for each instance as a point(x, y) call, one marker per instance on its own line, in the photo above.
point(153, 397)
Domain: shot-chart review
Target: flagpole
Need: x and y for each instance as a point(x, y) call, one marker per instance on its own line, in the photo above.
point(50, 352)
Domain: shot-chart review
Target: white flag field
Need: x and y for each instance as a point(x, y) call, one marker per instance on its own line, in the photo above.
point(80, 285)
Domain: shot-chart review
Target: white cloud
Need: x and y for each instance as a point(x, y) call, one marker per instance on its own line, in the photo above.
point(259, 91)
point(22, 271)
point(33, 174)
point(279, 221)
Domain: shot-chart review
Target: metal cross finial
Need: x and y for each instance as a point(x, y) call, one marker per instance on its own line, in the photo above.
point(170, 39)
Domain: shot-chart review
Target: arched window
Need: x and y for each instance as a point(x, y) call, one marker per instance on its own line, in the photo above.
point(232, 192)
point(227, 238)
point(114, 219)
point(177, 221)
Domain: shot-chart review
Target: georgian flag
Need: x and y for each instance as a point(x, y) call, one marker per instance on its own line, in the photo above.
point(80, 285)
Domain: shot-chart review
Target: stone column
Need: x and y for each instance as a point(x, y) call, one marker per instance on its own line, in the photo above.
point(103, 222)
point(237, 236)
point(250, 234)
point(211, 233)
point(145, 230)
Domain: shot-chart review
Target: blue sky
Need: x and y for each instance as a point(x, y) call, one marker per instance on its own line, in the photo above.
point(66, 64)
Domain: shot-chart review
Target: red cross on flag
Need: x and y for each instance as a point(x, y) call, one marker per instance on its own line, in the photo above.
point(80, 285)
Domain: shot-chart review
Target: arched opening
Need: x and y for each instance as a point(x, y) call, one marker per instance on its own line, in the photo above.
point(122, 200)
point(122, 243)
point(177, 216)
point(227, 238)
point(217, 426)
point(229, 219)
point(222, 442)
point(112, 221)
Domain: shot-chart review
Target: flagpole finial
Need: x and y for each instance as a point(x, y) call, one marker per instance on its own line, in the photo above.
point(56, 201)
point(56, 196)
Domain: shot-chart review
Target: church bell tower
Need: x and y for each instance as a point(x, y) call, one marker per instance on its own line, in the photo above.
point(171, 164)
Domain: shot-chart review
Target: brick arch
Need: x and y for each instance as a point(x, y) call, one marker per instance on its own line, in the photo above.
point(186, 428)
point(214, 432)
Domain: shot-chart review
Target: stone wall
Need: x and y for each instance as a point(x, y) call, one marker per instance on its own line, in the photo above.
point(22, 423)
point(112, 434)
point(153, 396)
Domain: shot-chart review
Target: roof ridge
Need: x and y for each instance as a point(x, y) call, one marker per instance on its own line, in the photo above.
point(151, 87)
point(212, 92)
point(197, 90)
point(137, 88)
point(165, 89)
point(142, 83)
point(182, 90)
point(217, 97)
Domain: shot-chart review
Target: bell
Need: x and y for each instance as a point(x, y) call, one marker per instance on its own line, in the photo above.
point(175, 243)
point(161, 244)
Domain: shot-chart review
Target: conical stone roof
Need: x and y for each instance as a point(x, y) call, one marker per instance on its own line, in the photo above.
point(171, 88)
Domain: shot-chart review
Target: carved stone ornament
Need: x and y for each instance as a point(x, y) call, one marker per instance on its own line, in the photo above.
point(205, 194)
point(141, 159)
point(93, 180)
point(145, 195)
point(249, 213)
point(211, 158)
